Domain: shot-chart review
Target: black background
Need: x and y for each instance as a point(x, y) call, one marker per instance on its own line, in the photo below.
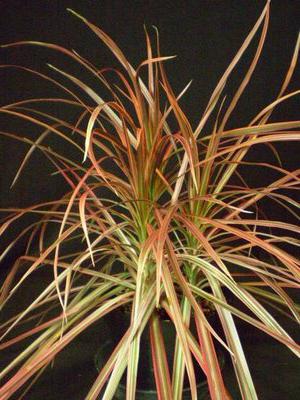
point(205, 35)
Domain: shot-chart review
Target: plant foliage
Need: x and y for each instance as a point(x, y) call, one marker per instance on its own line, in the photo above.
point(167, 222)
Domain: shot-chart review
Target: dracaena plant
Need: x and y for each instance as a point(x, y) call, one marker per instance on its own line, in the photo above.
point(166, 203)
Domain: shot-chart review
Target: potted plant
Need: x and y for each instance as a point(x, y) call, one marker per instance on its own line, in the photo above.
point(157, 223)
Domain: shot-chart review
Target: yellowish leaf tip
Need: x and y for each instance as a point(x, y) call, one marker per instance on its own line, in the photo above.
point(76, 14)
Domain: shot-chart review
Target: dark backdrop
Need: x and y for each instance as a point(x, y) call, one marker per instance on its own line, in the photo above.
point(205, 36)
